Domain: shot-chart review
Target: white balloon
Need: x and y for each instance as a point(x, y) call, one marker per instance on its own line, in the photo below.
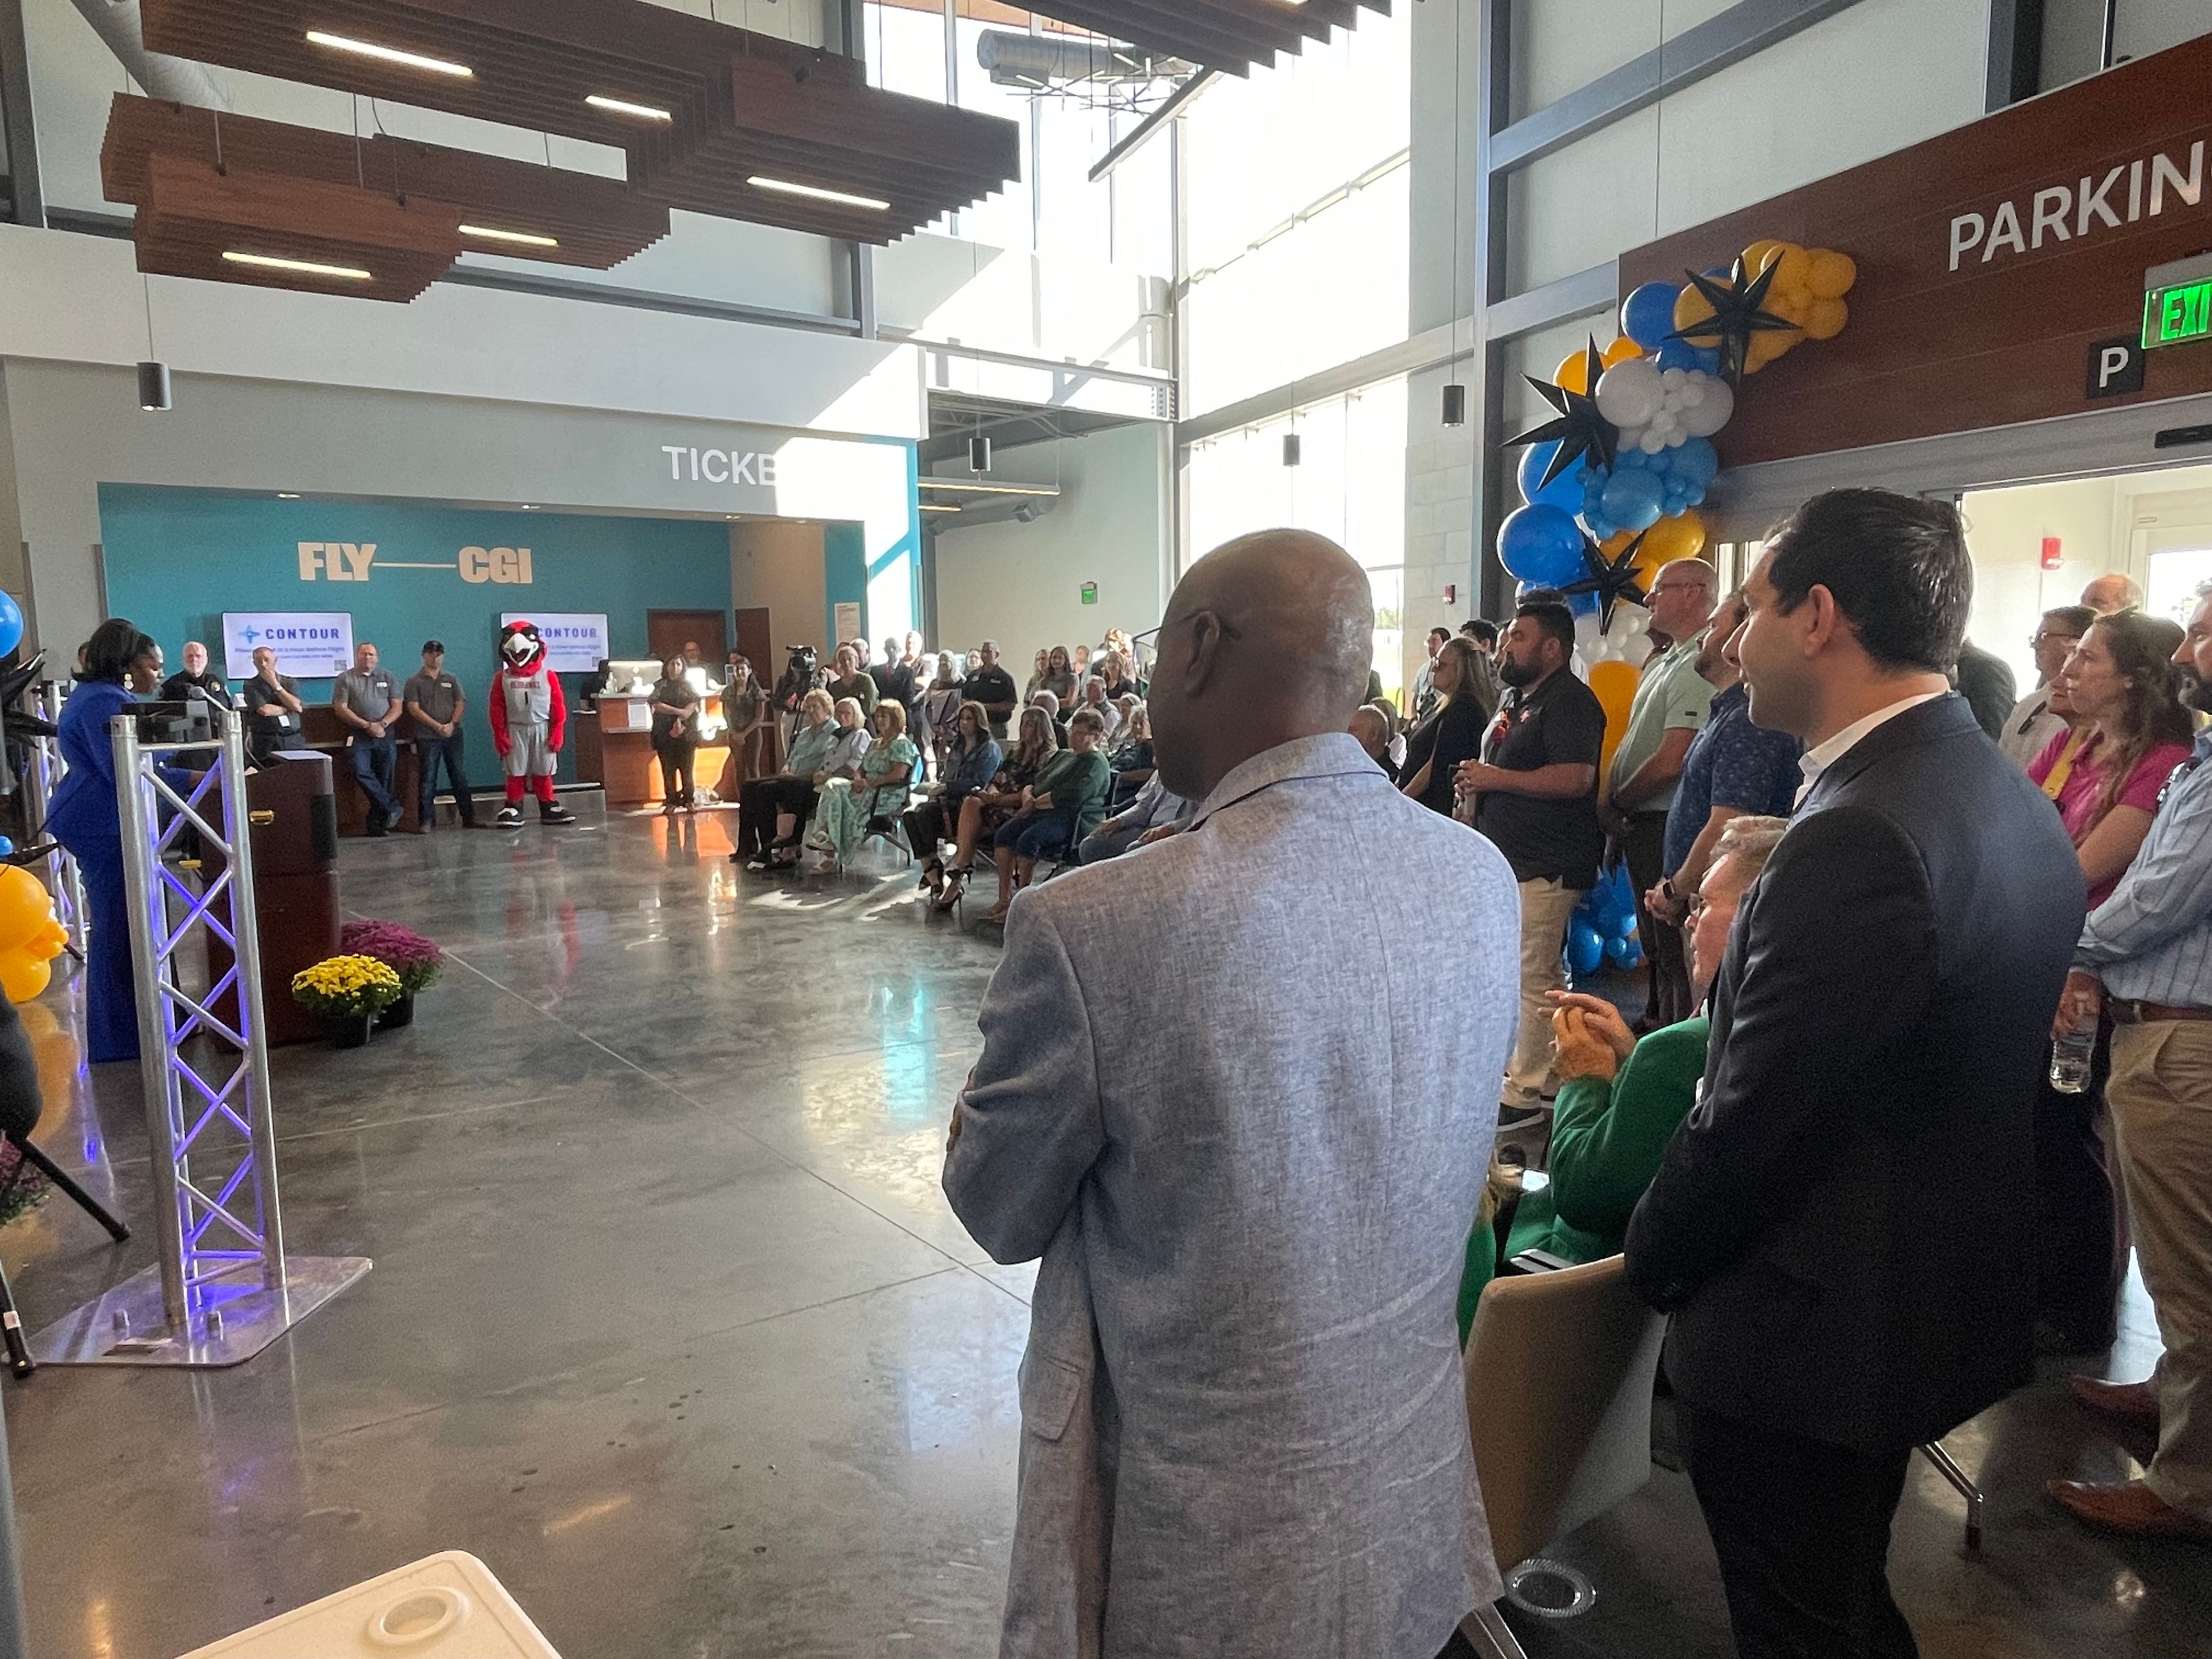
point(1651, 440)
point(1713, 411)
point(1629, 393)
point(1671, 378)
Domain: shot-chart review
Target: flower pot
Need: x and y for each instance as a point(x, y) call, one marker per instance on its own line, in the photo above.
point(400, 1013)
point(349, 1030)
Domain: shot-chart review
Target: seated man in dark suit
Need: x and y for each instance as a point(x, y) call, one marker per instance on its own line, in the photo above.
point(1841, 1227)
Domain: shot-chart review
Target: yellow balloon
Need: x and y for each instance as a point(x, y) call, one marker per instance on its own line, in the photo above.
point(1756, 256)
point(23, 977)
point(1765, 348)
point(26, 907)
point(1826, 319)
point(1619, 351)
point(1615, 685)
point(1573, 374)
point(1691, 309)
point(1833, 275)
point(1682, 537)
point(1617, 544)
point(1795, 266)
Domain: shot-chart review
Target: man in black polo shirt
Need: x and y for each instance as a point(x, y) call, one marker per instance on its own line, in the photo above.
point(993, 687)
point(1536, 792)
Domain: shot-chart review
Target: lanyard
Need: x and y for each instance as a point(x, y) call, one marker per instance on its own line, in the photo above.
point(2063, 767)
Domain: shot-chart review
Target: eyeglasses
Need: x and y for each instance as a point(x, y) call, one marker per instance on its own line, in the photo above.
point(2036, 642)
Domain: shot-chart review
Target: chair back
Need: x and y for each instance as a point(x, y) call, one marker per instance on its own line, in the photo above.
point(1559, 1371)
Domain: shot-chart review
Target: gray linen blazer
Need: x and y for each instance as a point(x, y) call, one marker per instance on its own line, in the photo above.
point(1239, 1090)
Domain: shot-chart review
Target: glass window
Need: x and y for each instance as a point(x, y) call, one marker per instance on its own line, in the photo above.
point(1350, 485)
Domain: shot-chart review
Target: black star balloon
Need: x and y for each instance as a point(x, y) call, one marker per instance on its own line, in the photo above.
point(1611, 579)
point(1583, 433)
point(1737, 315)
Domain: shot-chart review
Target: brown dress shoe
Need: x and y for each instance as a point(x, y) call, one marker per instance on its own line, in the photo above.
point(2128, 1507)
point(2132, 1399)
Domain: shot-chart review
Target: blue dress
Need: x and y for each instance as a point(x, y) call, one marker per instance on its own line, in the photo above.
point(83, 818)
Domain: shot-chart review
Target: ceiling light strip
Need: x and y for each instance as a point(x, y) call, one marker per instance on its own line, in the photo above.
point(527, 238)
point(302, 267)
point(989, 490)
point(816, 193)
point(624, 107)
point(390, 55)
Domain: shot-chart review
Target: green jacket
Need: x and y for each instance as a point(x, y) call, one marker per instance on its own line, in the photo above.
point(1079, 786)
point(1608, 1140)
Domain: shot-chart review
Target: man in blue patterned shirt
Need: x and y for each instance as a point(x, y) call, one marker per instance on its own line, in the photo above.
point(2146, 954)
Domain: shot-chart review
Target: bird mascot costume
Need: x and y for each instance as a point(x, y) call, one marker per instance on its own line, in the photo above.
point(529, 718)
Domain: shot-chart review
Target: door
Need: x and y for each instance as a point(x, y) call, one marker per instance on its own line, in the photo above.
point(754, 644)
point(705, 633)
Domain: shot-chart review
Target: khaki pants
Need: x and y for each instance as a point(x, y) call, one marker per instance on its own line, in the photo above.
point(2161, 1096)
point(1546, 907)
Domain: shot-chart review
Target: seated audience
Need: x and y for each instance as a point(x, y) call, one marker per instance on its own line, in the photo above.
point(851, 678)
point(1372, 728)
point(1065, 803)
point(1153, 816)
point(790, 792)
point(964, 768)
point(1132, 757)
point(1453, 735)
point(1053, 711)
point(981, 814)
point(1093, 695)
point(1114, 673)
point(882, 779)
point(1620, 1100)
point(2034, 722)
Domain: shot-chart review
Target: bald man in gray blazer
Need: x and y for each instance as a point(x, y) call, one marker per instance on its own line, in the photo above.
point(1236, 1089)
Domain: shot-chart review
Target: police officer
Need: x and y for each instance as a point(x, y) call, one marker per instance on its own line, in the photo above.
point(435, 704)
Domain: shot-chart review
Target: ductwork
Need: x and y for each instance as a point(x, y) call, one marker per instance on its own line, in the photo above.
point(1040, 62)
point(173, 80)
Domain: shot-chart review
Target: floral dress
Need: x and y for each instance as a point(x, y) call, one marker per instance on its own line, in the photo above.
point(880, 790)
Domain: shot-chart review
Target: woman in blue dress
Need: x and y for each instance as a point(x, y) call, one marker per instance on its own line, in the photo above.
point(120, 661)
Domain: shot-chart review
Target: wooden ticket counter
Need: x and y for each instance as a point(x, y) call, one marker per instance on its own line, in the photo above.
point(614, 749)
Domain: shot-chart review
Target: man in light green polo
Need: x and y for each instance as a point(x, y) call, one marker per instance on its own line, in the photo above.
point(1670, 705)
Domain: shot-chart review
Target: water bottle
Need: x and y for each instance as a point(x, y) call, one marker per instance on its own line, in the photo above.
point(2070, 1058)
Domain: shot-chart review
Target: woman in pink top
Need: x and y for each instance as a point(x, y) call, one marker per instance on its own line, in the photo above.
point(2129, 731)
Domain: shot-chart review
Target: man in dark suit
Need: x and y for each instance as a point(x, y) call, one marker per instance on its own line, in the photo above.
point(1841, 1227)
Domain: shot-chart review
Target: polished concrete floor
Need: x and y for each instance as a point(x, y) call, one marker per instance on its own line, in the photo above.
point(670, 1324)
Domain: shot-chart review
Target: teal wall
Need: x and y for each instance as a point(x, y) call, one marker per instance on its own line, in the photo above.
point(177, 559)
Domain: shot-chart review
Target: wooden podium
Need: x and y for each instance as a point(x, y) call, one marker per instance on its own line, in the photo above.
point(292, 816)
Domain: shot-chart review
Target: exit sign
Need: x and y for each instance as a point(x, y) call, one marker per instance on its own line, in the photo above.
point(2178, 303)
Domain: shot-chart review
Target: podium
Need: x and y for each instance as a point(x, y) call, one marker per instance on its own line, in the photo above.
point(292, 816)
point(292, 812)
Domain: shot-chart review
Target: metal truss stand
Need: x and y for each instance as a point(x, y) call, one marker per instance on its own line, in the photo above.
point(41, 779)
point(224, 1289)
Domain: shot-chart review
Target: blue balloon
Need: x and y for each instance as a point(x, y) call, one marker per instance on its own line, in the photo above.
point(1681, 353)
point(1633, 500)
point(7, 846)
point(1624, 953)
point(1564, 492)
point(11, 624)
point(1582, 604)
point(1585, 950)
point(1647, 316)
point(1541, 543)
point(1695, 462)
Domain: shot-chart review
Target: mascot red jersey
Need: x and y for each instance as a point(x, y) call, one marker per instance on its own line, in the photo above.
point(529, 718)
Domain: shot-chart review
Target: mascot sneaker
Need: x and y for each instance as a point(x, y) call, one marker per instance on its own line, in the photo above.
point(509, 818)
point(554, 812)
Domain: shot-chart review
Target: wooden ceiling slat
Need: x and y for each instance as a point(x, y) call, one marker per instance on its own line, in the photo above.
point(598, 223)
point(1231, 35)
point(799, 112)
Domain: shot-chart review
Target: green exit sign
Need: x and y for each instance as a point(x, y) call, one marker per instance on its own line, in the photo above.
point(2178, 303)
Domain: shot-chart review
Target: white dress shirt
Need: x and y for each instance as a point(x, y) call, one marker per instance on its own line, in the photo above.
point(1818, 759)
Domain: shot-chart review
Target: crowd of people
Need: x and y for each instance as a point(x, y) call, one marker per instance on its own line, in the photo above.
point(1926, 1037)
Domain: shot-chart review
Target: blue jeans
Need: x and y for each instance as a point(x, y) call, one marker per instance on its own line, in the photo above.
point(430, 751)
point(1046, 835)
point(375, 763)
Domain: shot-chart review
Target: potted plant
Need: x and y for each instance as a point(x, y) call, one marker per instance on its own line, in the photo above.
point(349, 992)
point(416, 960)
